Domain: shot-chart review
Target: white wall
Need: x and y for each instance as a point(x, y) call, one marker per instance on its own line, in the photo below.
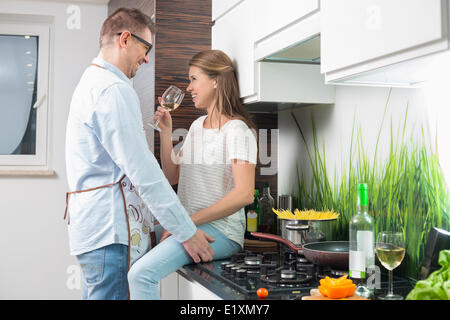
point(34, 255)
point(334, 127)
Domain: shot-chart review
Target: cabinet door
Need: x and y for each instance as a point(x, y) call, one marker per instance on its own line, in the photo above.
point(271, 16)
point(233, 34)
point(168, 287)
point(364, 30)
point(191, 290)
point(220, 7)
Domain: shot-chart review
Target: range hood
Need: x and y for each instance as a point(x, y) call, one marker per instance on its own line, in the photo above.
point(287, 72)
point(411, 73)
point(290, 78)
point(307, 51)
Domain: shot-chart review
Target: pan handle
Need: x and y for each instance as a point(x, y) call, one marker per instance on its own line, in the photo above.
point(276, 238)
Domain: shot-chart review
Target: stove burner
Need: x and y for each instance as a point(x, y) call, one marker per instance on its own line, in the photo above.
point(249, 263)
point(234, 270)
point(322, 272)
point(241, 273)
point(286, 278)
point(289, 270)
point(288, 274)
point(339, 273)
point(252, 261)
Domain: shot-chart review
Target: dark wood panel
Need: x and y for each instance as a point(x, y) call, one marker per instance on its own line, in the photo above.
point(267, 122)
point(183, 29)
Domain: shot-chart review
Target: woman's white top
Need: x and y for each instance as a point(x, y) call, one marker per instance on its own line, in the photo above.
point(206, 170)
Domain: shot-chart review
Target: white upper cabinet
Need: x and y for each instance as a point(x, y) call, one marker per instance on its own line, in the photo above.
point(368, 41)
point(220, 7)
point(272, 16)
point(257, 33)
point(233, 33)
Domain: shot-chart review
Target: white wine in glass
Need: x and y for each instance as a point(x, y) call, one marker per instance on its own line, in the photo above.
point(171, 99)
point(390, 251)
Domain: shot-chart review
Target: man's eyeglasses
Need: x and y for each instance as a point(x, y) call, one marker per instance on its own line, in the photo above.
point(148, 44)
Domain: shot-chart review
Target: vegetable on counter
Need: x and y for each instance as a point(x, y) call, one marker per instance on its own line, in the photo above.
point(437, 285)
point(262, 292)
point(337, 288)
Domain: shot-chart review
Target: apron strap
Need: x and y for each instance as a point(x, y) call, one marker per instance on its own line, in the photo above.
point(66, 215)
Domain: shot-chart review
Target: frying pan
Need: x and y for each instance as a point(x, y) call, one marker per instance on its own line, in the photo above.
point(325, 253)
point(328, 253)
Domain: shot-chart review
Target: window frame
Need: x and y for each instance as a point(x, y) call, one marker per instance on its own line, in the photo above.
point(40, 159)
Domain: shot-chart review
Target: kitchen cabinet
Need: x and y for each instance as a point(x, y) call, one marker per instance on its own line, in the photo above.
point(189, 289)
point(289, 83)
point(272, 16)
point(168, 287)
point(220, 7)
point(369, 35)
point(179, 286)
point(233, 33)
point(254, 30)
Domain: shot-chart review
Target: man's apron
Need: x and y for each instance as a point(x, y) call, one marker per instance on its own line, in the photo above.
point(140, 221)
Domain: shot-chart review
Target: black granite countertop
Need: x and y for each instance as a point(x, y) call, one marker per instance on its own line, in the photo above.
point(204, 275)
point(193, 272)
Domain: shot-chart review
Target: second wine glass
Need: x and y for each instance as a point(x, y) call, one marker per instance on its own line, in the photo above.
point(171, 99)
point(390, 251)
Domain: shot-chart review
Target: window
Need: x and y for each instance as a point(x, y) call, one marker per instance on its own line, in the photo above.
point(24, 58)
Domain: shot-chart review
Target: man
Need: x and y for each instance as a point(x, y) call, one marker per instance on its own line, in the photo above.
point(105, 140)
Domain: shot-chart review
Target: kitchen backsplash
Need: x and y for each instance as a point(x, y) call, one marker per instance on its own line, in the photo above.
point(374, 135)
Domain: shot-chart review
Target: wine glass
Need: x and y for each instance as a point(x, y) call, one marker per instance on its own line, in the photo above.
point(171, 99)
point(390, 251)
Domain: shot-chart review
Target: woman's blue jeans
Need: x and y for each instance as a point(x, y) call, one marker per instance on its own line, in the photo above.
point(167, 257)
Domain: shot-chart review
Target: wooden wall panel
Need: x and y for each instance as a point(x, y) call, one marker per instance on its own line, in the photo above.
point(267, 122)
point(183, 29)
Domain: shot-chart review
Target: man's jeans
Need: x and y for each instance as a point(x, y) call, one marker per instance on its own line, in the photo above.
point(104, 273)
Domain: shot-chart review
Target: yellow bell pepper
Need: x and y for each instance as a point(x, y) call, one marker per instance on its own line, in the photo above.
point(337, 288)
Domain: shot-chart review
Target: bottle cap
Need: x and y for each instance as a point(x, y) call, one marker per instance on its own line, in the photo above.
point(256, 193)
point(362, 191)
point(363, 186)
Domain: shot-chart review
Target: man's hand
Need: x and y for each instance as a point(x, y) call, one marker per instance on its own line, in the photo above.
point(198, 247)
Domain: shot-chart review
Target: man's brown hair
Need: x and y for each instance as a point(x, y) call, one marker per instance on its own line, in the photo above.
point(123, 19)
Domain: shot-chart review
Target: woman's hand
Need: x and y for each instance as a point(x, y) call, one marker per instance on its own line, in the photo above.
point(164, 235)
point(165, 124)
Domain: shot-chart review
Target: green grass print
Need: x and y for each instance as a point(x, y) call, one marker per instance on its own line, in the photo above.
point(407, 190)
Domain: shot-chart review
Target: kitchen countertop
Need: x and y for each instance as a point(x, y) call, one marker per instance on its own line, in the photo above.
point(193, 272)
point(227, 292)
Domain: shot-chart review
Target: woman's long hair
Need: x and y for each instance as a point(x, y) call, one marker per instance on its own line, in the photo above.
point(217, 65)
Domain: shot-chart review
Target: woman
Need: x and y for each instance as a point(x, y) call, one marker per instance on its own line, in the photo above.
point(215, 171)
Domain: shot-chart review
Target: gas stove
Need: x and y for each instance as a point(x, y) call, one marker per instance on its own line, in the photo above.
point(284, 275)
point(269, 269)
point(287, 276)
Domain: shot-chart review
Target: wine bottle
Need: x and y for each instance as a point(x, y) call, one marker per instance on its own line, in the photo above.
point(267, 224)
point(362, 244)
point(252, 216)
